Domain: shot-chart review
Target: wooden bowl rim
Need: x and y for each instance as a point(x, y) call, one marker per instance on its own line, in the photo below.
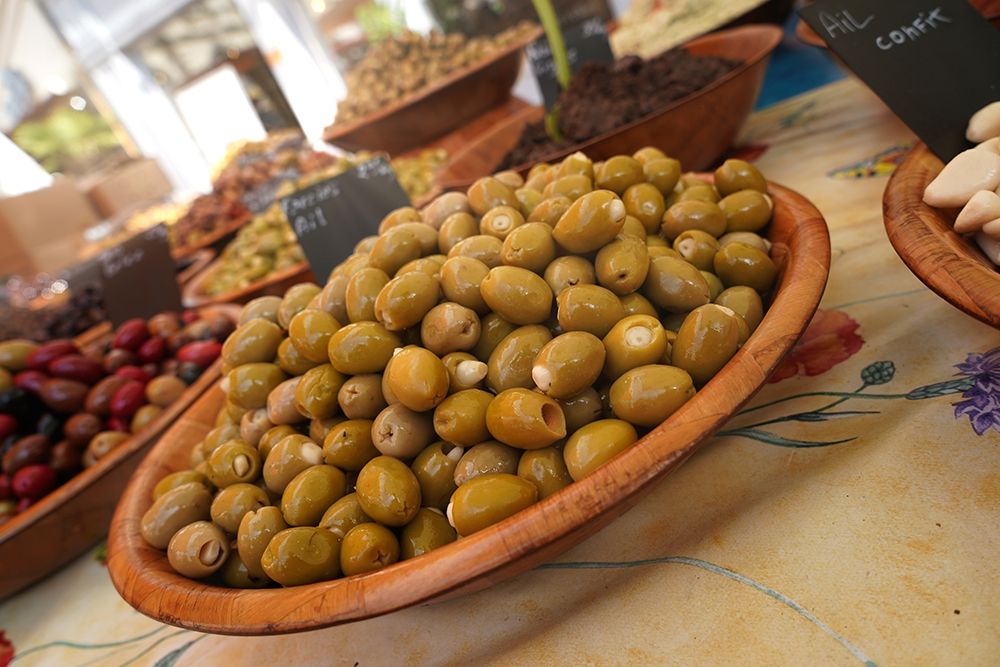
point(906, 218)
point(202, 258)
point(218, 233)
point(141, 576)
point(87, 477)
point(192, 297)
point(334, 132)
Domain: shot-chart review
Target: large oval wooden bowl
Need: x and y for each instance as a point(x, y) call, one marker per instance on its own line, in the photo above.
point(193, 294)
point(436, 109)
point(696, 129)
point(923, 237)
point(216, 239)
point(144, 578)
point(68, 521)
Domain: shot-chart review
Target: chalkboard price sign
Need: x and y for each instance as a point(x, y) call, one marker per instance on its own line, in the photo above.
point(138, 277)
point(934, 62)
point(330, 217)
point(585, 42)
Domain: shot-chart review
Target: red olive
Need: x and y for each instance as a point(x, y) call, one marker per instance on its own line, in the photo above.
point(99, 399)
point(115, 359)
point(118, 424)
point(189, 316)
point(26, 451)
point(81, 427)
point(8, 426)
point(5, 491)
point(130, 335)
point(30, 381)
point(177, 341)
point(200, 353)
point(129, 398)
point(153, 350)
point(66, 396)
point(133, 373)
point(40, 358)
point(23, 504)
point(76, 367)
point(34, 481)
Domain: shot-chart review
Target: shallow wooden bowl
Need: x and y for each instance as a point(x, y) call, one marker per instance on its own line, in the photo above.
point(193, 295)
point(144, 578)
point(923, 237)
point(436, 109)
point(696, 129)
point(195, 264)
point(71, 519)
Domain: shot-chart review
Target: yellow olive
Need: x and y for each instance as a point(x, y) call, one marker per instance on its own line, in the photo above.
point(525, 419)
point(595, 444)
point(648, 395)
point(590, 222)
point(489, 499)
point(517, 295)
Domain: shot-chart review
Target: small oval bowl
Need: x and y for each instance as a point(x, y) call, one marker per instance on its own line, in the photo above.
point(801, 248)
point(696, 129)
point(72, 518)
point(193, 294)
point(436, 109)
point(924, 238)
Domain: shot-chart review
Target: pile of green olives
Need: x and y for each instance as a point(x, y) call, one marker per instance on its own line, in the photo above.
point(471, 359)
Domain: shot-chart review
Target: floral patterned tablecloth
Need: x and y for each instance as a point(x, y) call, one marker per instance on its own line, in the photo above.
point(848, 516)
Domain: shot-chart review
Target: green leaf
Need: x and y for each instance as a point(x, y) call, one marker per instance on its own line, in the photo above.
point(940, 389)
point(774, 439)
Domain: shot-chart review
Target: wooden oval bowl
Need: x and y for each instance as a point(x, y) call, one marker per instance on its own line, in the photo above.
point(218, 237)
point(924, 239)
point(436, 109)
point(71, 519)
point(197, 262)
point(144, 578)
point(696, 129)
point(193, 296)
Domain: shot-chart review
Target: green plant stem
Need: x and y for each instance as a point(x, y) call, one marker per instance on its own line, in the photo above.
point(553, 33)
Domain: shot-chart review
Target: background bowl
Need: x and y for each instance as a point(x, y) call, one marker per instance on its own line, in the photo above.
point(144, 578)
point(696, 129)
point(216, 239)
point(923, 237)
point(194, 296)
point(71, 519)
point(436, 109)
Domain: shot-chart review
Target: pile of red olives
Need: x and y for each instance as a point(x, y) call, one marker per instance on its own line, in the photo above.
point(470, 360)
point(62, 407)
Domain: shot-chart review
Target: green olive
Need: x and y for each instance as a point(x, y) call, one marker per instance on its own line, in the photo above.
point(443, 206)
point(428, 530)
point(405, 300)
point(487, 193)
point(749, 238)
point(456, 228)
point(460, 280)
point(648, 395)
point(388, 491)
point(394, 249)
point(434, 468)
point(349, 446)
point(489, 499)
point(316, 392)
point(233, 462)
point(464, 371)
point(590, 222)
point(401, 432)
point(636, 340)
point(175, 479)
point(675, 285)
point(741, 264)
point(736, 175)
point(575, 163)
point(461, 418)
point(263, 307)
point(517, 295)
point(693, 214)
point(746, 211)
point(271, 438)
point(343, 515)
point(235, 574)
point(417, 378)
point(485, 458)
point(250, 384)
point(664, 173)
point(449, 327)
point(525, 419)
point(746, 302)
point(360, 397)
point(706, 341)
point(589, 308)
point(493, 329)
point(715, 286)
point(500, 221)
point(362, 290)
point(367, 547)
point(332, 298)
point(697, 248)
point(637, 304)
point(645, 203)
point(253, 425)
point(699, 191)
point(302, 555)
point(568, 271)
point(398, 216)
point(546, 469)
point(289, 456)
point(320, 428)
point(255, 341)
point(172, 511)
point(281, 408)
point(550, 210)
point(487, 249)
point(255, 531)
point(296, 299)
point(622, 265)
point(571, 186)
point(510, 362)
point(362, 347)
point(619, 172)
point(219, 436)
point(530, 247)
point(528, 198)
point(310, 494)
point(291, 361)
point(426, 235)
point(233, 502)
point(632, 227)
point(568, 364)
point(595, 444)
point(198, 550)
point(581, 409)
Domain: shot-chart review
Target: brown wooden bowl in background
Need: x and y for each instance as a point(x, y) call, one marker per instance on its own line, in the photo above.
point(198, 260)
point(696, 129)
point(218, 238)
point(193, 296)
point(72, 518)
point(539, 533)
point(924, 238)
point(435, 109)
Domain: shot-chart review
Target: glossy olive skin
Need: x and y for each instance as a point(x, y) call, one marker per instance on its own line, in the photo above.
point(362, 347)
point(175, 479)
point(622, 265)
point(484, 458)
point(585, 407)
point(697, 247)
point(595, 444)
point(693, 214)
point(636, 340)
point(310, 494)
point(637, 304)
point(456, 228)
point(487, 249)
point(434, 468)
point(333, 298)
point(253, 425)
point(590, 222)
point(618, 173)
point(746, 211)
point(302, 555)
point(461, 418)
point(233, 462)
point(14, 354)
point(349, 446)
point(405, 300)
point(362, 289)
point(394, 249)
point(706, 341)
point(368, 547)
point(310, 331)
point(250, 384)
point(460, 281)
point(254, 533)
point(648, 395)
point(281, 407)
point(398, 216)
point(219, 435)
point(500, 221)
point(492, 330)
point(271, 438)
point(589, 308)
point(388, 491)
point(568, 364)
point(489, 499)
point(510, 362)
point(550, 210)
point(233, 502)
point(198, 550)
point(401, 432)
point(645, 203)
point(746, 302)
point(263, 307)
point(517, 295)
point(741, 264)
point(290, 456)
point(736, 175)
point(571, 186)
point(715, 286)
point(449, 327)
point(428, 530)
point(525, 419)
point(663, 173)
point(316, 392)
point(529, 246)
point(417, 378)
point(360, 397)
point(568, 271)
point(343, 515)
point(172, 511)
point(255, 341)
point(443, 206)
point(320, 428)
point(487, 193)
point(528, 198)
point(296, 299)
point(234, 573)
point(701, 192)
point(675, 285)
point(291, 361)
point(546, 469)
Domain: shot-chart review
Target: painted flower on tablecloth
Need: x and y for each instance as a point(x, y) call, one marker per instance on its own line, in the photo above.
point(6, 650)
point(982, 399)
point(831, 338)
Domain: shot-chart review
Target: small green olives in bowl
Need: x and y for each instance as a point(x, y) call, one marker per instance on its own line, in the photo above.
point(451, 441)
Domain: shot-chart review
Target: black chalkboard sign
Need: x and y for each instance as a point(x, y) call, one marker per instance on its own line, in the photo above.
point(934, 62)
point(139, 277)
point(330, 217)
point(585, 42)
point(261, 197)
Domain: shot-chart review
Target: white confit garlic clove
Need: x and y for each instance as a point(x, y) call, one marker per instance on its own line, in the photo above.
point(992, 145)
point(984, 124)
point(990, 247)
point(983, 207)
point(968, 172)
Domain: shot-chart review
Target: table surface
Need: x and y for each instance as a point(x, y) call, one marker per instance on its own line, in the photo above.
point(847, 516)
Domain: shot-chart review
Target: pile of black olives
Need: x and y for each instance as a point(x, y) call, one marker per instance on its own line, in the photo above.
point(473, 358)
